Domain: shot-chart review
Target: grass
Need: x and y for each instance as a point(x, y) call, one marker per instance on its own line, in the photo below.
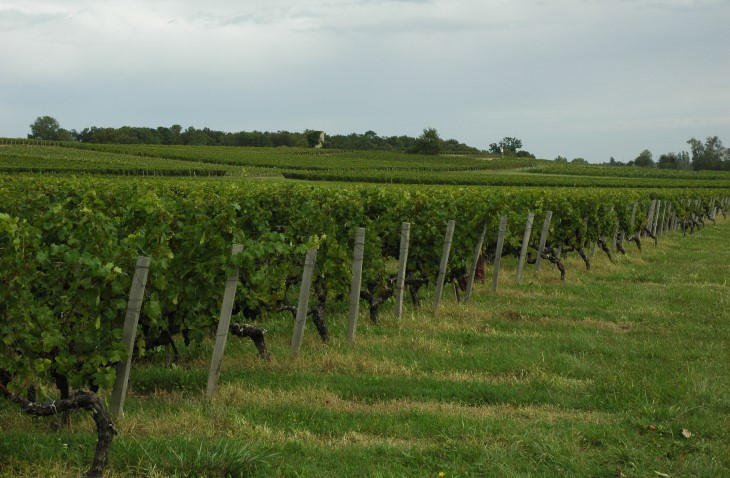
point(621, 371)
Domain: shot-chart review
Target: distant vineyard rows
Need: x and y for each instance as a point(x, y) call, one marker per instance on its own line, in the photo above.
point(328, 165)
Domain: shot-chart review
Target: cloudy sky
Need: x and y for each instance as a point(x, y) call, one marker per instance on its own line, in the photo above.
point(577, 78)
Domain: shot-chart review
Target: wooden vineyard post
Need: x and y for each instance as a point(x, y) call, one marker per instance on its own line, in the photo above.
point(633, 219)
point(444, 263)
point(655, 220)
point(664, 216)
point(650, 215)
point(129, 332)
point(405, 235)
point(653, 206)
point(525, 244)
point(224, 322)
point(614, 241)
point(498, 251)
point(302, 307)
point(475, 263)
point(670, 220)
point(357, 258)
point(659, 221)
point(543, 239)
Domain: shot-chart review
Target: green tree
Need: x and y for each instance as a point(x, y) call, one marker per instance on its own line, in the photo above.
point(644, 159)
point(428, 143)
point(560, 159)
point(508, 146)
point(511, 145)
point(674, 161)
point(313, 137)
point(709, 155)
point(579, 161)
point(48, 128)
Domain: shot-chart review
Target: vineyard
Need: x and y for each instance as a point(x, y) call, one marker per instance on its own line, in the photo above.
point(335, 165)
point(54, 159)
point(69, 242)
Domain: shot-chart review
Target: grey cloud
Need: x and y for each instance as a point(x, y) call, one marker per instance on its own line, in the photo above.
point(259, 16)
point(426, 26)
point(13, 19)
point(422, 2)
point(210, 19)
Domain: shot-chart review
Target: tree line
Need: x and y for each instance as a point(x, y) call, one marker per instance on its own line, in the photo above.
point(48, 128)
point(710, 155)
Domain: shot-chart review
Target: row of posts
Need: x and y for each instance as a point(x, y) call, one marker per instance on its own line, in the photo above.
point(29, 142)
point(661, 217)
point(139, 281)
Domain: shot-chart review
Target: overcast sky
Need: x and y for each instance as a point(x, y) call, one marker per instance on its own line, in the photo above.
point(576, 78)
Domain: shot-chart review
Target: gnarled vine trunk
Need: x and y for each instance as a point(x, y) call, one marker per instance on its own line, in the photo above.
point(585, 258)
point(606, 249)
point(256, 334)
point(318, 310)
point(80, 399)
point(376, 294)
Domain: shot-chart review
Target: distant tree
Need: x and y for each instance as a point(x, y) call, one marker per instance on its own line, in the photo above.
point(710, 155)
point(312, 137)
point(683, 161)
point(175, 132)
point(48, 128)
point(613, 162)
point(165, 135)
point(454, 146)
point(508, 146)
point(579, 161)
point(254, 138)
point(368, 140)
point(193, 136)
point(428, 143)
point(371, 135)
point(561, 159)
point(644, 159)
point(674, 161)
point(286, 138)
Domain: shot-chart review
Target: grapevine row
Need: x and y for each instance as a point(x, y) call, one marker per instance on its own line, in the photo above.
point(67, 249)
point(471, 178)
